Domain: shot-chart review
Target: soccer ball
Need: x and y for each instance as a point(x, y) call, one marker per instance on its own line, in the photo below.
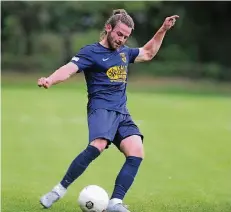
point(93, 199)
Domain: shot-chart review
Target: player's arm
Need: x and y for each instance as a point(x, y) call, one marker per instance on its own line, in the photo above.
point(150, 49)
point(80, 62)
point(60, 75)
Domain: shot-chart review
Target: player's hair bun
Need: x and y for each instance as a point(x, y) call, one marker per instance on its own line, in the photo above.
point(119, 11)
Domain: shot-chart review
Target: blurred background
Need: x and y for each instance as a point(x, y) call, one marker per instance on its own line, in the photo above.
point(41, 36)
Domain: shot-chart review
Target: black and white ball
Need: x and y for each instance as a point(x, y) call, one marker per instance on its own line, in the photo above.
point(93, 198)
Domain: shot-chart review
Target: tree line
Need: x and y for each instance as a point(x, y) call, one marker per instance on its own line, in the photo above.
point(43, 35)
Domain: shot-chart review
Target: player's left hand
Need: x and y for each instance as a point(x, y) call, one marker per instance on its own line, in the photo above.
point(169, 22)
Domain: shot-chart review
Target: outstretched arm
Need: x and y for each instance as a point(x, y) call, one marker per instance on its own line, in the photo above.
point(80, 62)
point(60, 75)
point(150, 49)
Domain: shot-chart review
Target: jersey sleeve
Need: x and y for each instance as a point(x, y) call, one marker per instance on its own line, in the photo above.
point(133, 53)
point(83, 59)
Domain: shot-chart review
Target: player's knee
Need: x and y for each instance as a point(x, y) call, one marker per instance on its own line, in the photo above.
point(99, 143)
point(132, 146)
point(137, 151)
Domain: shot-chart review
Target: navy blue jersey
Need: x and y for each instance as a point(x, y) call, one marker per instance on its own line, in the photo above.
point(105, 72)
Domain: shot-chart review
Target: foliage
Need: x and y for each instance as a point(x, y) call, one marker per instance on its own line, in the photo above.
point(58, 29)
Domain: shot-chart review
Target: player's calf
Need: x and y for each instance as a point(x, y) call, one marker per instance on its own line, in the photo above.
point(77, 167)
point(132, 148)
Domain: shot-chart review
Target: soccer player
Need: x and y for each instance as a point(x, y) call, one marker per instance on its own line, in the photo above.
point(105, 66)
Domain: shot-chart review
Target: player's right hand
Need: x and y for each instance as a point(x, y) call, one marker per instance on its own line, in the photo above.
point(44, 82)
point(170, 22)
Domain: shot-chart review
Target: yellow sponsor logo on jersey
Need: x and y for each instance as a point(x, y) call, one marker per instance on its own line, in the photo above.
point(117, 73)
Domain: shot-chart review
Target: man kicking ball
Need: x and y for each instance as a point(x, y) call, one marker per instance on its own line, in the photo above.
point(105, 66)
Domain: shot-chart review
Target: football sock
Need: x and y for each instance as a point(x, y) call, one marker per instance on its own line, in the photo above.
point(79, 164)
point(126, 177)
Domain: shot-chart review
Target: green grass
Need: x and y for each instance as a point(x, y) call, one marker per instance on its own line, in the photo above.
point(187, 167)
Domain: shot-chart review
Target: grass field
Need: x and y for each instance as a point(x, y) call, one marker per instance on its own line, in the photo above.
point(187, 140)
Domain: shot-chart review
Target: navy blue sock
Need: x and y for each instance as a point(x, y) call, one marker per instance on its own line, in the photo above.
point(126, 177)
point(79, 164)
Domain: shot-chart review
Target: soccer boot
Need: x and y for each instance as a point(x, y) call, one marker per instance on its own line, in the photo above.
point(119, 207)
point(54, 195)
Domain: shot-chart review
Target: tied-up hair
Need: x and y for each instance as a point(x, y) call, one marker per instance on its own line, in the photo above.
point(119, 15)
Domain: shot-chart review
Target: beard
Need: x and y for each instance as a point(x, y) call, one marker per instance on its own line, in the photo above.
point(111, 42)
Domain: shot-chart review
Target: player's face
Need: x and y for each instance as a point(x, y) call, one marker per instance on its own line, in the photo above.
point(118, 36)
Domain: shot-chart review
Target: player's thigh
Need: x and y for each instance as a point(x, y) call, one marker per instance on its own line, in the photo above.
point(129, 139)
point(132, 146)
point(102, 125)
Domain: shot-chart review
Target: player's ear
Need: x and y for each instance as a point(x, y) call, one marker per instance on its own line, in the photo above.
point(108, 28)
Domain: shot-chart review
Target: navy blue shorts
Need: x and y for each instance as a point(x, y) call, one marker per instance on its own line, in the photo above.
point(111, 125)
